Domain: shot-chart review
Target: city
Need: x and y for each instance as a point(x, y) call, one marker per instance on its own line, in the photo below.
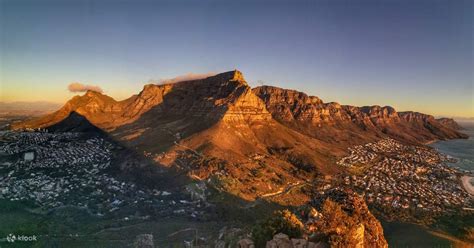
point(413, 180)
point(55, 170)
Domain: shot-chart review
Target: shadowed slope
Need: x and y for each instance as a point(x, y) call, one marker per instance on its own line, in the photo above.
point(101, 110)
point(218, 126)
point(249, 142)
point(74, 123)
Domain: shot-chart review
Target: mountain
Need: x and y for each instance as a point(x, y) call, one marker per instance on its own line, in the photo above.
point(218, 128)
point(449, 122)
point(101, 110)
point(343, 123)
point(249, 142)
point(75, 123)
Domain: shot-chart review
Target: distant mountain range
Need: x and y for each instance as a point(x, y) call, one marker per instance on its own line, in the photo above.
point(220, 126)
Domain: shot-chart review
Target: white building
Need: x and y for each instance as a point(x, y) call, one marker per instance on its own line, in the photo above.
point(28, 156)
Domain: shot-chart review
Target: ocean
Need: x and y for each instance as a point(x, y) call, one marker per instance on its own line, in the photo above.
point(410, 235)
point(461, 149)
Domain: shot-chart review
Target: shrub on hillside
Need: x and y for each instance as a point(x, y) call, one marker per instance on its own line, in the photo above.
point(281, 222)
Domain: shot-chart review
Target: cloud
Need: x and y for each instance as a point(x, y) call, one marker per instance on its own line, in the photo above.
point(181, 78)
point(78, 87)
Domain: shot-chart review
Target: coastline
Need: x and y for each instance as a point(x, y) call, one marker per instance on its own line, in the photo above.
point(430, 142)
point(456, 241)
point(465, 181)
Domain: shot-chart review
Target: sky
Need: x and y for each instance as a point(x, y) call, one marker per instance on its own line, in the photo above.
point(409, 54)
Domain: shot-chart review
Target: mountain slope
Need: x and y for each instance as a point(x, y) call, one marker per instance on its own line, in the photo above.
point(101, 110)
point(336, 123)
point(75, 123)
point(219, 128)
point(449, 122)
point(249, 142)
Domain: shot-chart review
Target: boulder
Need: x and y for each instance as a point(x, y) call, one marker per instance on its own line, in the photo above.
point(299, 243)
point(246, 243)
point(280, 240)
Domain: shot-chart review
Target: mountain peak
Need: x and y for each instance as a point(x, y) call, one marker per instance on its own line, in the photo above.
point(91, 93)
point(74, 122)
point(237, 75)
point(234, 75)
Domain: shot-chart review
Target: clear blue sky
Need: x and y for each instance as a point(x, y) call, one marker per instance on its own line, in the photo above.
point(413, 55)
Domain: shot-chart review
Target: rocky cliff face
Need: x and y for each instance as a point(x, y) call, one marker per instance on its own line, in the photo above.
point(228, 97)
point(428, 126)
point(212, 97)
point(314, 117)
point(292, 106)
point(254, 142)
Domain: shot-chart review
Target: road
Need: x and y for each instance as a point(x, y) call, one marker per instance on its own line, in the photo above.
point(284, 190)
point(467, 184)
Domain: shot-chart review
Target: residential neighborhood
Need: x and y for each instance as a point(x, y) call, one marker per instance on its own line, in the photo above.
point(67, 169)
point(398, 176)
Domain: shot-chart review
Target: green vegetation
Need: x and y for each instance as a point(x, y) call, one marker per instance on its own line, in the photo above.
point(233, 209)
point(410, 235)
point(338, 226)
point(460, 226)
point(281, 222)
point(73, 227)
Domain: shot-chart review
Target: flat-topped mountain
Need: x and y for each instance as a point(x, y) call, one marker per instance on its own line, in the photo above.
point(199, 97)
point(252, 141)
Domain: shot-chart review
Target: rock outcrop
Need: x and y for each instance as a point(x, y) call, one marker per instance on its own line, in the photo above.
point(344, 220)
point(245, 243)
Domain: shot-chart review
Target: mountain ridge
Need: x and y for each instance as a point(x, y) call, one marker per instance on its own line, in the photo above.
point(305, 107)
point(312, 111)
point(248, 141)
